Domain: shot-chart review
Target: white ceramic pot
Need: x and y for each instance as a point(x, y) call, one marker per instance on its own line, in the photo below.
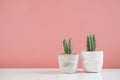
point(68, 63)
point(92, 60)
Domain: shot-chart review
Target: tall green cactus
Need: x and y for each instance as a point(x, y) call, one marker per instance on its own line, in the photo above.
point(67, 47)
point(91, 43)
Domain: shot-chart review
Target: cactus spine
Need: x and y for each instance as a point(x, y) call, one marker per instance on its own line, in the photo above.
point(91, 43)
point(67, 47)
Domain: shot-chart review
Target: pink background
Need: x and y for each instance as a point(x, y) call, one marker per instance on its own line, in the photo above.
point(31, 31)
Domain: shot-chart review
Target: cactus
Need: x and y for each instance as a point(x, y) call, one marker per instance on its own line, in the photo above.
point(91, 43)
point(67, 47)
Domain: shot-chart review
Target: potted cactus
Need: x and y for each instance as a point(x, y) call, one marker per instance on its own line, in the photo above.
point(92, 60)
point(68, 61)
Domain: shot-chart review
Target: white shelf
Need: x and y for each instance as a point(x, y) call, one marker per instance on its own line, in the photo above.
point(55, 74)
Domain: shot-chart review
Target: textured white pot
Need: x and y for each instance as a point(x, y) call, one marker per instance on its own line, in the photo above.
point(92, 60)
point(68, 63)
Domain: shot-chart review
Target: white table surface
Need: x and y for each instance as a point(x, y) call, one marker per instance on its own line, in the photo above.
point(56, 74)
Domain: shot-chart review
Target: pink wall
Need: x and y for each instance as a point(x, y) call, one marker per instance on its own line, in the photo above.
point(31, 31)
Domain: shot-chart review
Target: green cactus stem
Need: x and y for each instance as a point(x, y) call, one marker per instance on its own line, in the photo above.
point(67, 47)
point(91, 43)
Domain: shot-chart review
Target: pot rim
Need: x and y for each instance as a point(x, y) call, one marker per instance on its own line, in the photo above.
point(68, 54)
point(92, 51)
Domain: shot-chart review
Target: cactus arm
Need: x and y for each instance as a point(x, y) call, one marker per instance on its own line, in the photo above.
point(70, 46)
point(91, 43)
point(88, 44)
point(65, 46)
point(94, 42)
